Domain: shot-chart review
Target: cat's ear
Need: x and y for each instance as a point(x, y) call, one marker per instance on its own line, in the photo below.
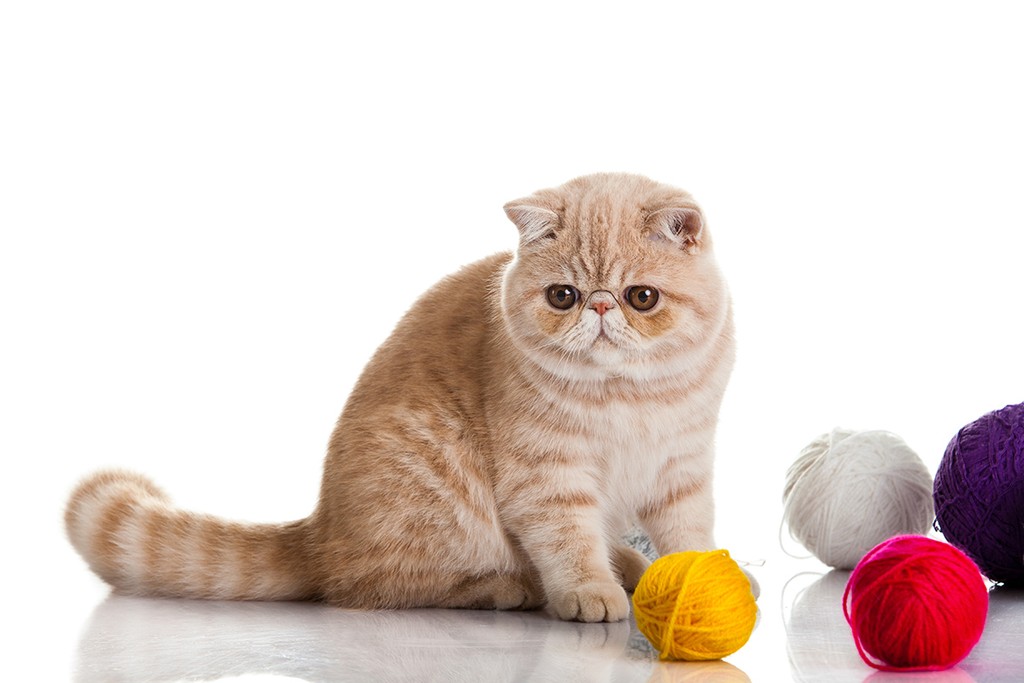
point(682, 226)
point(534, 222)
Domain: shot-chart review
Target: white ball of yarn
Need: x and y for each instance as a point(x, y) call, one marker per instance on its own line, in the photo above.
point(848, 491)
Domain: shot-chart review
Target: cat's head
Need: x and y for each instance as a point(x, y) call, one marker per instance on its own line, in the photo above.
point(614, 276)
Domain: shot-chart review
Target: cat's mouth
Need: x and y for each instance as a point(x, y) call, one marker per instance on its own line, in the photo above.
point(604, 339)
point(599, 336)
point(606, 334)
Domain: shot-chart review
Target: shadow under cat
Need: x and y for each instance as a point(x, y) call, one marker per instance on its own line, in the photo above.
point(152, 639)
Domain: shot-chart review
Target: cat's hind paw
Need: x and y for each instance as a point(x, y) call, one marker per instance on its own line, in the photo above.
point(629, 565)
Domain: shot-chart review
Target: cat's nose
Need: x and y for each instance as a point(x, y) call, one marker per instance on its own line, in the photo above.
point(601, 301)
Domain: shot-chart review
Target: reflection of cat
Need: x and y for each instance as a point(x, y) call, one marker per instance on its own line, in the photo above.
point(142, 639)
point(524, 414)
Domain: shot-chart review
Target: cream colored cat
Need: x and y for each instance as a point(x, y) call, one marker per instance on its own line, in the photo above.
point(525, 414)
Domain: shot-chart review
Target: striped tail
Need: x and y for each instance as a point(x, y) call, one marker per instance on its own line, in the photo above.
point(131, 536)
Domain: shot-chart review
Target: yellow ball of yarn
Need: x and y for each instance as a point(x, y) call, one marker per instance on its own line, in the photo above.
point(695, 605)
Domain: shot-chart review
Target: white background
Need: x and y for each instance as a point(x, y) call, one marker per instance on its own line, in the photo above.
point(213, 212)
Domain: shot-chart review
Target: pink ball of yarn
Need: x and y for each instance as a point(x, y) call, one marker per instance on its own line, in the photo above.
point(915, 604)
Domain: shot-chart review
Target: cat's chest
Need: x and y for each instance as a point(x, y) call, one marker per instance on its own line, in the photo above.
point(637, 431)
point(632, 451)
point(604, 429)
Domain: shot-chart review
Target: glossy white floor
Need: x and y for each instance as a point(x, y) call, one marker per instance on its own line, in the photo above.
point(76, 631)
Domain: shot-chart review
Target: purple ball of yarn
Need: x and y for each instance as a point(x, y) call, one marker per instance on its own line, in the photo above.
point(979, 493)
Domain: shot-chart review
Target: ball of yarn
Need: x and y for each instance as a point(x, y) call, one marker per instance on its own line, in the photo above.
point(979, 493)
point(915, 603)
point(850, 490)
point(695, 605)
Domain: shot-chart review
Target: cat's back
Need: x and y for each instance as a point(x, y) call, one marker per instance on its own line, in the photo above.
point(438, 351)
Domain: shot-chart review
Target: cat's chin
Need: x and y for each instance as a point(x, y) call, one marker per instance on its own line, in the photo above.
point(601, 361)
point(606, 354)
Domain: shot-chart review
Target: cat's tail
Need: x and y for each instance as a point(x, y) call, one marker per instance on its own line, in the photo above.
point(135, 540)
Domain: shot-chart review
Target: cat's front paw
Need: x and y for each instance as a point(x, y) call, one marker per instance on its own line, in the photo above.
point(590, 602)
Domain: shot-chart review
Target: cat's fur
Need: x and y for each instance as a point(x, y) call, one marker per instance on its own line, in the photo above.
point(496, 449)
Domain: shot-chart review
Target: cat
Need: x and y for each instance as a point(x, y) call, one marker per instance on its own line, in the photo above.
point(524, 415)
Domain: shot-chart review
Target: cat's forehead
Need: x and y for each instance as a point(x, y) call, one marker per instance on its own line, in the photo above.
point(600, 229)
point(610, 199)
point(601, 270)
point(603, 221)
point(609, 205)
point(599, 255)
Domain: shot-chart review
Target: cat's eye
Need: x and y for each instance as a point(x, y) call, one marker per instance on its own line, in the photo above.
point(562, 297)
point(642, 298)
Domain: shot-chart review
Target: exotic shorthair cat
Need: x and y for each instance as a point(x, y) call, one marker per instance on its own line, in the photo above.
point(525, 414)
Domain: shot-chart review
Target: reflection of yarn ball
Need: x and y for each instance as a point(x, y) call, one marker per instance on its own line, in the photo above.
point(849, 491)
point(915, 603)
point(695, 605)
point(817, 636)
point(979, 493)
